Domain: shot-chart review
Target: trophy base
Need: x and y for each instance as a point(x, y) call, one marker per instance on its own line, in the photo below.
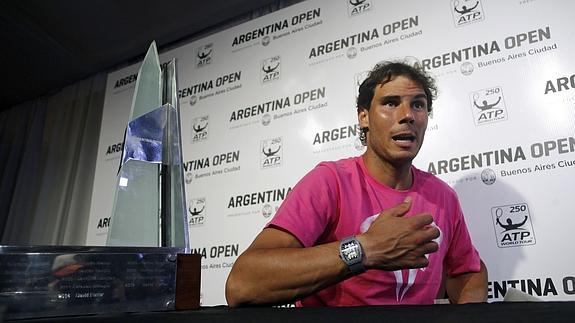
point(58, 281)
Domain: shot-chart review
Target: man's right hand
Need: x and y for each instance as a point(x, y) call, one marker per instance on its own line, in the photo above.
point(395, 242)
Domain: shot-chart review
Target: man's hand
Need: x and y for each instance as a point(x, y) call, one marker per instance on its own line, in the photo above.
point(393, 242)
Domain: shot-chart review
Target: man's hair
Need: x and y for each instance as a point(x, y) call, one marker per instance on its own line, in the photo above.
point(387, 71)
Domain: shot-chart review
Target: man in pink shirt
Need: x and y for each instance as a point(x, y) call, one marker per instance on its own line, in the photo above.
point(371, 229)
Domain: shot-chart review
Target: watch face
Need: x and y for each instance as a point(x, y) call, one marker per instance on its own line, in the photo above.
point(350, 250)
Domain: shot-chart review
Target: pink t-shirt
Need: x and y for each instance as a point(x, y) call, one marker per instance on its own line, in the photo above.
point(340, 199)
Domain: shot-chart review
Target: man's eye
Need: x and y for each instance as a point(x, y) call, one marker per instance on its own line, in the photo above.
point(419, 105)
point(390, 103)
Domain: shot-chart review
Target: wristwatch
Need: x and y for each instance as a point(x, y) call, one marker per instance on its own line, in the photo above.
point(351, 253)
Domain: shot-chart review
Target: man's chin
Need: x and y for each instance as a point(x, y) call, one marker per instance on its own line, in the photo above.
point(403, 159)
point(397, 158)
point(408, 153)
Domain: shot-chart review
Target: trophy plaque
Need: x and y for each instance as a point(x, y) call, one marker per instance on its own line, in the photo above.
point(146, 264)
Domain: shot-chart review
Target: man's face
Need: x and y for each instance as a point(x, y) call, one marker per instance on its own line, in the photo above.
point(397, 119)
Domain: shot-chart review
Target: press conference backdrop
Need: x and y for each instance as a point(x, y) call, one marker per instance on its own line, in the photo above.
point(264, 102)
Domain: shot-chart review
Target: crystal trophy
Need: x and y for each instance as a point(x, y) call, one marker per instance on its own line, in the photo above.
point(146, 265)
point(149, 206)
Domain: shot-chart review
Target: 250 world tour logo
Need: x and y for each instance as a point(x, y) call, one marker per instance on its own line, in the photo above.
point(204, 55)
point(270, 69)
point(200, 129)
point(466, 12)
point(356, 7)
point(488, 105)
point(197, 211)
point(271, 153)
point(513, 225)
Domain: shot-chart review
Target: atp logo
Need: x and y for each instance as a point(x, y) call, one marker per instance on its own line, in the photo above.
point(466, 12)
point(513, 227)
point(488, 105)
point(200, 129)
point(356, 7)
point(204, 55)
point(271, 69)
point(197, 211)
point(271, 153)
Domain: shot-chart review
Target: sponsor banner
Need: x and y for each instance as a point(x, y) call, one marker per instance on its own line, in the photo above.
point(285, 27)
point(193, 93)
point(218, 164)
point(372, 38)
point(264, 203)
point(263, 102)
point(552, 288)
point(283, 107)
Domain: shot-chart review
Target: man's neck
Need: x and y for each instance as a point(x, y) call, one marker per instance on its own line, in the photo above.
point(398, 177)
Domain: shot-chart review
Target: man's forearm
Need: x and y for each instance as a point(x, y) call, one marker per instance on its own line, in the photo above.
point(468, 287)
point(278, 275)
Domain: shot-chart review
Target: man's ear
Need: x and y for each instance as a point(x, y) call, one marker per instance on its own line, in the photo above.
point(363, 117)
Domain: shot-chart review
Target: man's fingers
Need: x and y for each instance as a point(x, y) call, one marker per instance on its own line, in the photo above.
point(429, 247)
point(400, 209)
point(422, 252)
point(431, 231)
point(421, 220)
point(424, 235)
point(434, 232)
point(420, 262)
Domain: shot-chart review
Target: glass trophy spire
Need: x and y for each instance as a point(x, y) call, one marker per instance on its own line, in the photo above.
point(149, 205)
point(148, 91)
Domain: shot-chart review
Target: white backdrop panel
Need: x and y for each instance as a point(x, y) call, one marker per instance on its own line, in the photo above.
point(262, 103)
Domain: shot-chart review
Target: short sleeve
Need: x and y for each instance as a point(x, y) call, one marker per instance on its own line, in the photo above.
point(310, 207)
point(462, 257)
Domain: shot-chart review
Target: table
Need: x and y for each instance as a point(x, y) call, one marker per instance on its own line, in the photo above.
point(467, 313)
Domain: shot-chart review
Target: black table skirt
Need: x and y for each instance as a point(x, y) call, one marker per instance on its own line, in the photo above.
point(467, 313)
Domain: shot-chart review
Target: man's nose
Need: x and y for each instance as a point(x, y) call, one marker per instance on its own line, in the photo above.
point(405, 113)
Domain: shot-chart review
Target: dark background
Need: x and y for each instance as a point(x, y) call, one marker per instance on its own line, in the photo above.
point(49, 44)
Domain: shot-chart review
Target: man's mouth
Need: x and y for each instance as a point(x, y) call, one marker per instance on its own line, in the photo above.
point(406, 137)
